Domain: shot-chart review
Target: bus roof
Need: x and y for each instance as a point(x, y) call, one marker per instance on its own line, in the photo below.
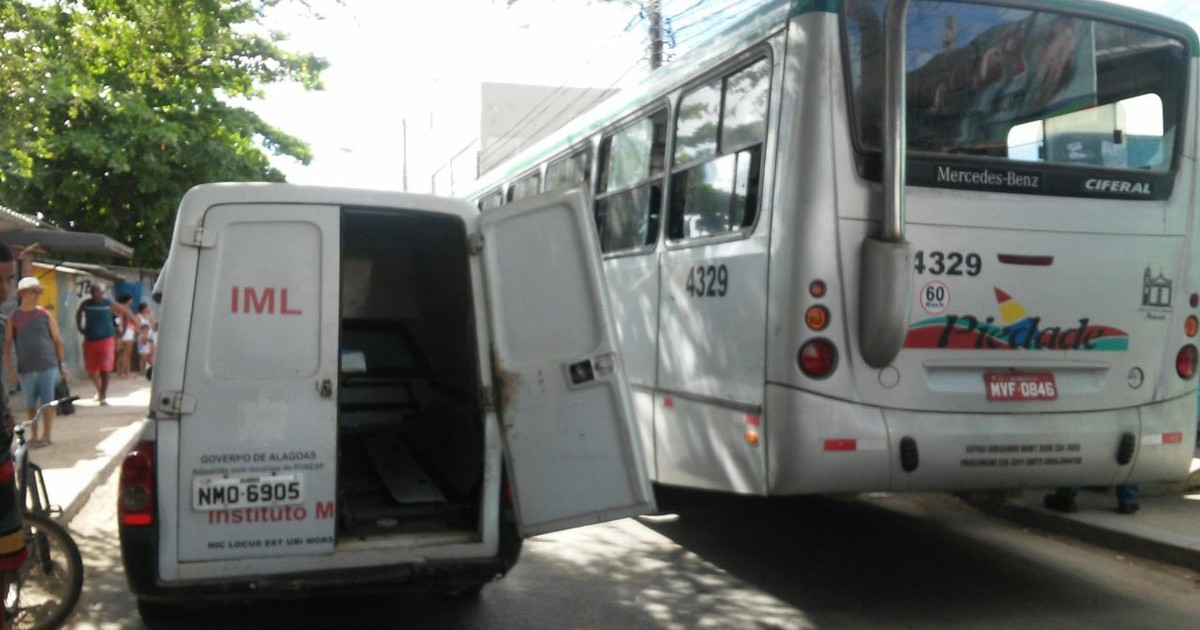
point(755, 25)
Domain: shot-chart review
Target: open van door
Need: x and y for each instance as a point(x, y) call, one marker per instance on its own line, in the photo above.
point(565, 411)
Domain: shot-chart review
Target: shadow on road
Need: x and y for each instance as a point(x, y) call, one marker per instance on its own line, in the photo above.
point(843, 561)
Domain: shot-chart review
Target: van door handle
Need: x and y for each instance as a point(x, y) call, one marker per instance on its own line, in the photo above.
point(326, 388)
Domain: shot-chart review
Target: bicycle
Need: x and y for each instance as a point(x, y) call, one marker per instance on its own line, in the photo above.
point(44, 591)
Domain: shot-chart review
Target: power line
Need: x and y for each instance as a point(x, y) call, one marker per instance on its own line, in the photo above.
point(718, 20)
point(533, 115)
point(599, 96)
point(530, 116)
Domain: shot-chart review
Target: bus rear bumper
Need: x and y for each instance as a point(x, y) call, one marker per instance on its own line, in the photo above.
point(821, 445)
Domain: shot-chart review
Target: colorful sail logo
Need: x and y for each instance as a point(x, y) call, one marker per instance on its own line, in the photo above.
point(1016, 330)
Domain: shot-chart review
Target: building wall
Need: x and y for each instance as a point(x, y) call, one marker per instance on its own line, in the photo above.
point(515, 116)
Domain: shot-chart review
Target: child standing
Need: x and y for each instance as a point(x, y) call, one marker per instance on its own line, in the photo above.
point(145, 347)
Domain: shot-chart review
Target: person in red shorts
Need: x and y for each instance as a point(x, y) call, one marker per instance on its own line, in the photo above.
point(12, 539)
point(95, 320)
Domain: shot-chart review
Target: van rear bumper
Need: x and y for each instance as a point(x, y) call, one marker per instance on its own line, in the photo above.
point(140, 558)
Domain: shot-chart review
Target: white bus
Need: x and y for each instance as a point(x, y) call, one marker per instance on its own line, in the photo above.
point(857, 245)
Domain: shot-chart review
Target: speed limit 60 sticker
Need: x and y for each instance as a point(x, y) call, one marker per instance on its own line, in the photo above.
point(935, 297)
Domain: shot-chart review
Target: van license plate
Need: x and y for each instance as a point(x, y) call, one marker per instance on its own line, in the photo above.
point(1020, 386)
point(221, 492)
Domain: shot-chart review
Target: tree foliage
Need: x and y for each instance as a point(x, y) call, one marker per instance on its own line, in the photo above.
point(112, 109)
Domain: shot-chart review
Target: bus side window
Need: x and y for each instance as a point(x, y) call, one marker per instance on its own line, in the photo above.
point(629, 195)
point(575, 168)
point(527, 186)
point(719, 139)
point(491, 200)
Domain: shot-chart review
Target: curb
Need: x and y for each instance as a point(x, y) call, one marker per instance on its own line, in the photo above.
point(114, 449)
point(1121, 542)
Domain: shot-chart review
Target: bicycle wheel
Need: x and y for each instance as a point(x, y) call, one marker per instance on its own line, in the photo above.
point(48, 585)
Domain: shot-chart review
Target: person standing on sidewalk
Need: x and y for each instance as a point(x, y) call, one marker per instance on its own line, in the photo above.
point(126, 337)
point(95, 320)
point(12, 539)
point(39, 349)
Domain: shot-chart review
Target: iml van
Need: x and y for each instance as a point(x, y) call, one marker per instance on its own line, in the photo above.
point(361, 389)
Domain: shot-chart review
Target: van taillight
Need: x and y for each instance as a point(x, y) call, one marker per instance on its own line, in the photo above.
point(1185, 362)
point(817, 358)
point(135, 498)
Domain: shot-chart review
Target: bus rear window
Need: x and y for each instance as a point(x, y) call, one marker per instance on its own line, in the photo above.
point(1024, 85)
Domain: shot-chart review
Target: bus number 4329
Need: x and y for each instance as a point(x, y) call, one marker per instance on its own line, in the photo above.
point(708, 281)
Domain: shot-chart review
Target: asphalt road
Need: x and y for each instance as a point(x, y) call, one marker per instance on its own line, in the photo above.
point(914, 561)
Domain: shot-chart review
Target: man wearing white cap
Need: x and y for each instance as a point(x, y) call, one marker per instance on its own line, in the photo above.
point(39, 355)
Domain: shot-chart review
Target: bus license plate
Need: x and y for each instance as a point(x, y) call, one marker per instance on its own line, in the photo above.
point(221, 492)
point(1020, 386)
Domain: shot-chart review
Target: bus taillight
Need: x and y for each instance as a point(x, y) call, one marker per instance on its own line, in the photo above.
point(817, 358)
point(1185, 362)
point(135, 502)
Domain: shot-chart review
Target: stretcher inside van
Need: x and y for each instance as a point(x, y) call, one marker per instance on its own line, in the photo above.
point(360, 389)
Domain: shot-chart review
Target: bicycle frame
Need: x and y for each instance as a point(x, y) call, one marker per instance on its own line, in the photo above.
point(31, 484)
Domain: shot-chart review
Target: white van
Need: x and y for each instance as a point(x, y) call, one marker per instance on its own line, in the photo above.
point(358, 389)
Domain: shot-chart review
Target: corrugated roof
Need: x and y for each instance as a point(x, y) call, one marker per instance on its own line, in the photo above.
point(13, 220)
point(63, 242)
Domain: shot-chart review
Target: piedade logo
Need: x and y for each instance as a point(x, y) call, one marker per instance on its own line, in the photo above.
point(1015, 329)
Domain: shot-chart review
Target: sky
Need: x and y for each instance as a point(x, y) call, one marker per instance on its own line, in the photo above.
point(402, 90)
point(411, 69)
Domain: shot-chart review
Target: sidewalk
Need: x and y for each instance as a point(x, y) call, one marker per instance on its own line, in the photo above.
point(1166, 528)
point(90, 444)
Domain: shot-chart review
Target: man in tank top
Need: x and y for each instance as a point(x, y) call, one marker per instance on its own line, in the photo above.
point(95, 320)
point(33, 332)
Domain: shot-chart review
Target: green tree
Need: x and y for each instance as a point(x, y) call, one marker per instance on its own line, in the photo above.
point(112, 109)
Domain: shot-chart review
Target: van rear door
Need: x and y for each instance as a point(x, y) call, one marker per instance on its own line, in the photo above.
point(565, 409)
point(258, 435)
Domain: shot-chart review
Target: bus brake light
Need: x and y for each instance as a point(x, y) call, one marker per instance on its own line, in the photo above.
point(1185, 362)
point(817, 358)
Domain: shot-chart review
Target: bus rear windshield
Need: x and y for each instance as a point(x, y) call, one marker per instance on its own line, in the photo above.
point(1023, 85)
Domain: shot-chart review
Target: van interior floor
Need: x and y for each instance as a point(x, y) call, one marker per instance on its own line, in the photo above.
point(383, 489)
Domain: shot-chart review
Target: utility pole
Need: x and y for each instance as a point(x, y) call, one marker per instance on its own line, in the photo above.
point(653, 10)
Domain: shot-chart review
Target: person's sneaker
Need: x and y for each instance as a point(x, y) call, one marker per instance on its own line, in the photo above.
point(1128, 508)
point(1060, 503)
point(103, 402)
